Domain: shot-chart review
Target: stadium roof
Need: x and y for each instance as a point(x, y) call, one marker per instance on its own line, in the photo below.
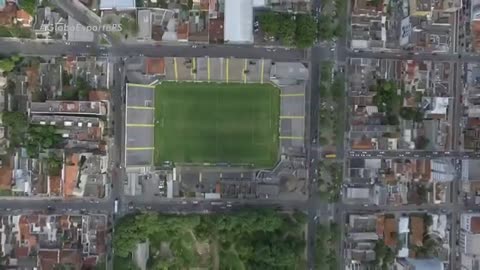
point(238, 21)
point(117, 4)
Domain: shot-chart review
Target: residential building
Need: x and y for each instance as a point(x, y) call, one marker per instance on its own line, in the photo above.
point(417, 230)
point(40, 241)
point(74, 129)
point(58, 107)
point(418, 264)
point(470, 234)
point(367, 194)
point(8, 12)
point(403, 237)
point(49, 23)
point(362, 236)
point(23, 18)
point(85, 175)
point(442, 170)
point(368, 29)
point(471, 135)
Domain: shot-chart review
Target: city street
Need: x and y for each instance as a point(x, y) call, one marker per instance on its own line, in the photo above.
point(414, 154)
point(59, 48)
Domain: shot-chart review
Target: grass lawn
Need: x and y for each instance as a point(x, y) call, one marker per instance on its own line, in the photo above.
point(212, 122)
point(5, 192)
point(5, 32)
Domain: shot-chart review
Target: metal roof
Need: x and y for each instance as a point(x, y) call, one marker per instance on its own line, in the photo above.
point(238, 21)
point(117, 4)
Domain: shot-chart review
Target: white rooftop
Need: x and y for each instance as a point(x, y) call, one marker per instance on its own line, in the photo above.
point(117, 4)
point(238, 21)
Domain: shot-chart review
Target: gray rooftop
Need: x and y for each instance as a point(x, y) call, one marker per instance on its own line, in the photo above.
point(117, 4)
point(68, 107)
point(144, 18)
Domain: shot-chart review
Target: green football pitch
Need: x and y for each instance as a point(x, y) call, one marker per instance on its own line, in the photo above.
point(217, 123)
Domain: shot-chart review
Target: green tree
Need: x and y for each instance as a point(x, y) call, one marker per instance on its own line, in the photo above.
point(8, 64)
point(418, 117)
point(326, 28)
point(306, 31)
point(407, 113)
point(39, 96)
point(82, 89)
point(29, 6)
point(323, 141)
point(392, 119)
point(66, 78)
point(428, 220)
point(421, 142)
point(270, 22)
point(287, 28)
point(241, 237)
point(129, 25)
point(338, 88)
point(17, 124)
point(40, 138)
point(386, 97)
point(55, 164)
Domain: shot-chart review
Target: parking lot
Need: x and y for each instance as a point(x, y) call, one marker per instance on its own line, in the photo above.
point(291, 78)
point(206, 69)
point(139, 125)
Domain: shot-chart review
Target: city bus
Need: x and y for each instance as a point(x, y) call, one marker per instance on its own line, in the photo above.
point(331, 156)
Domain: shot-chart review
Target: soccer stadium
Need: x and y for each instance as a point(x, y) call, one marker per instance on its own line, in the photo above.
point(188, 122)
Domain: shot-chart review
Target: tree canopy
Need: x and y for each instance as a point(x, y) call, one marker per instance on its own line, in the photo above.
point(17, 124)
point(300, 30)
point(40, 138)
point(29, 6)
point(8, 64)
point(409, 113)
point(306, 31)
point(259, 239)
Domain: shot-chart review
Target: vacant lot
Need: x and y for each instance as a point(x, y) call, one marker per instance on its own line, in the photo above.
point(212, 122)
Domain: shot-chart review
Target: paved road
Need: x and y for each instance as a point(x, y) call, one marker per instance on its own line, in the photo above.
point(417, 154)
point(57, 48)
point(118, 107)
point(317, 210)
point(446, 57)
